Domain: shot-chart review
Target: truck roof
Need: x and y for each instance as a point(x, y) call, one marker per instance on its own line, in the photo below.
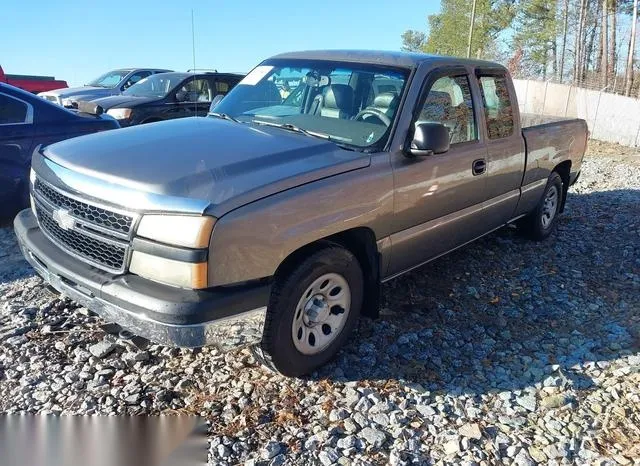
point(186, 74)
point(385, 58)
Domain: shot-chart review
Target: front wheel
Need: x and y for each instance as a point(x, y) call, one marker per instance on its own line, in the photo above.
point(540, 223)
point(312, 311)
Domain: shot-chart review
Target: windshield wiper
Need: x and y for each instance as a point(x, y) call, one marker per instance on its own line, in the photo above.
point(297, 129)
point(223, 116)
point(294, 128)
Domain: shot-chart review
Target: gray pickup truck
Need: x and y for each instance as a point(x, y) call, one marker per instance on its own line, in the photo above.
point(273, 221)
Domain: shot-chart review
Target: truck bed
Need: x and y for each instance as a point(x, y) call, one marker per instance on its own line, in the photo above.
point(550, 141)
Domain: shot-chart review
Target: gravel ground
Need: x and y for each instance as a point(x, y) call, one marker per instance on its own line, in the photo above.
point(505, 352)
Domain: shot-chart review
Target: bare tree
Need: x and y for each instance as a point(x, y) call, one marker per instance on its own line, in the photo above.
point(612, 15)
point(604, 44)
point(564, 36)
point(577, 64)
point(628, 79)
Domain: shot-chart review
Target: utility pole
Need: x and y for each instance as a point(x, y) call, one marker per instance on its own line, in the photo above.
point(471, 25)
point(628, 78)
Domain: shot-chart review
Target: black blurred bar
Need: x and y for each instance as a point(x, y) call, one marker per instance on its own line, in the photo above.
point(49, 440)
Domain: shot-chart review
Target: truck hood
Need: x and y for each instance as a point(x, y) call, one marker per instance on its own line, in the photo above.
point(224, 163)
point(82, 93)
point(122, 101)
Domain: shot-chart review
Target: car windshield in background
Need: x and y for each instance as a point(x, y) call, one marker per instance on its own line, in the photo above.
point(352, 104)
point(110, 79)
point(157, 85)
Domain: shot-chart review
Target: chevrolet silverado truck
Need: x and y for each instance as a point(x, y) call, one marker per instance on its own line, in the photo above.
point(273, 221)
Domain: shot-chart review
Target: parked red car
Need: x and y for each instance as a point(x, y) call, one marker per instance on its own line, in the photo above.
point(33, 84)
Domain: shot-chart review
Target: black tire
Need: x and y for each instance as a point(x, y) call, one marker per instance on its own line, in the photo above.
point(278, 349)
point(537, 225)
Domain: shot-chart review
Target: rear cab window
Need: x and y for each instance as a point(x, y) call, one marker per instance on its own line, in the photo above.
point(497, 106)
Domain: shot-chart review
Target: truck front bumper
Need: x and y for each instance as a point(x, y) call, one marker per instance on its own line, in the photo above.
point(227, 317)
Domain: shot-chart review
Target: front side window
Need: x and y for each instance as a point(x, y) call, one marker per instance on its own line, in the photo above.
point(497, 106)
point(136, 78)
point(110, 79)
point(324, 99)
point(449, 102)
point(12, 111)
point(157, 85)
point(196, 90)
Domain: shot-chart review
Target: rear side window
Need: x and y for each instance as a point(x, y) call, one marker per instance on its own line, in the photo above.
point(497, 106)
point(449, 102)
point(12, 111)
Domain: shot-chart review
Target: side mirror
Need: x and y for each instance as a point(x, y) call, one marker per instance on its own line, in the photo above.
point(181, 96)
point(216, 100)
point(429, 138)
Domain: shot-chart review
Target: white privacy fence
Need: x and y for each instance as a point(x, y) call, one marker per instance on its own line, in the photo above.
point(610, 117)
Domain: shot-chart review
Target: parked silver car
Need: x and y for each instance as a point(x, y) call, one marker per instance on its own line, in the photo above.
point(111, 83)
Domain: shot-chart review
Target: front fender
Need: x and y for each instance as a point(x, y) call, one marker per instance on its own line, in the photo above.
point(250, 242)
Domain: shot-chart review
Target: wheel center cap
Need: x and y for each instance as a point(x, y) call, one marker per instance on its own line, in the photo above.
point(316, 310)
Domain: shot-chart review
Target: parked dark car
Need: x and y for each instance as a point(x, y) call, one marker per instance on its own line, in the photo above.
point(166, 96)
point(27, 122)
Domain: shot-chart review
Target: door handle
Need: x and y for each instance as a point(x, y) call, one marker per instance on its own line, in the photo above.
point(479, 167)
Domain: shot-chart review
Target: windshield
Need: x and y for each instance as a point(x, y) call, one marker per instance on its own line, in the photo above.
point(157, 85)
point(353, 104)
point(110, 79)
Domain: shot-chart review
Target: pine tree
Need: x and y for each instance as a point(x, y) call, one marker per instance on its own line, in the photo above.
point(535, 31)
point(448, 30)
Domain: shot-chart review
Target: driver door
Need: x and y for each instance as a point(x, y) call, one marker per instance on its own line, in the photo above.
point(438, 199)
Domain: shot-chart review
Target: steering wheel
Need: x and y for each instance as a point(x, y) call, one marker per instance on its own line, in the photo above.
point(375, 113)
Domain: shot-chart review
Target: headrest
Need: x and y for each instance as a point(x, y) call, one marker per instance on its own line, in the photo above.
point(385, 100)
point(438, 98)
point(338, 96)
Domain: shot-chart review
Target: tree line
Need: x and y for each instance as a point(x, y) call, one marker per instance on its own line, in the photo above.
point(585, 42)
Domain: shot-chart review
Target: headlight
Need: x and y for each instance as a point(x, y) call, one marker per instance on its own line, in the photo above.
point(119, 113)
point(177, 230)
point(171, 272)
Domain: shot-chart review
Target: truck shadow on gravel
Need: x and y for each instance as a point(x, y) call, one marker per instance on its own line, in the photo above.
point(506, 313)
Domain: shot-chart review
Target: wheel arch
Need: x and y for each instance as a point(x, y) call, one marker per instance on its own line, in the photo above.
point(361, 242)
point(564, 170)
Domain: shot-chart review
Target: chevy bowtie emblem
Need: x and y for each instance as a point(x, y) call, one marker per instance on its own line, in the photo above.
point(63, 219)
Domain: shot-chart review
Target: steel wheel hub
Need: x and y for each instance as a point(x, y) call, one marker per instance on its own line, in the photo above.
point(321, 313)
point(549, 207)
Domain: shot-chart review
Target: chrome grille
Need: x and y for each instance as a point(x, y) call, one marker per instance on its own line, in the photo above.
point(96, 235)
point(109, 256)
point(96, 215)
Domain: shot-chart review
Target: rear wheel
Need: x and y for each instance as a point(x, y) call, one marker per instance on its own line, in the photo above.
point(540, 223)
point(312, 310)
